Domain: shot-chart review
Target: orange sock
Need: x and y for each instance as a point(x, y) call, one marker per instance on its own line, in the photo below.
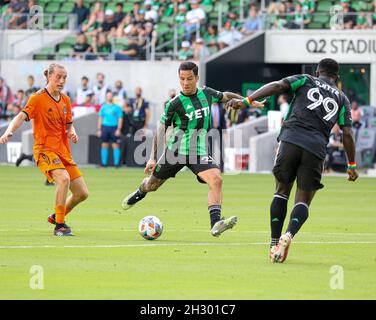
point(67, 210)
point(60, 214)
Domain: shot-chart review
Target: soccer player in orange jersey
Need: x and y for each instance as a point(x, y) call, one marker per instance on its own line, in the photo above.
point(52, 114)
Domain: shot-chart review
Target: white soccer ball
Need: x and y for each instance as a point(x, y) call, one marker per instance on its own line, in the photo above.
point(150, 227)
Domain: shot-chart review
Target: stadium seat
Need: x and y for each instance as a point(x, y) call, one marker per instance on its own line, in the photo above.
point(321, 18)
point(324, 6)
point(67, 7)
point(52, 7)
point(128, 7)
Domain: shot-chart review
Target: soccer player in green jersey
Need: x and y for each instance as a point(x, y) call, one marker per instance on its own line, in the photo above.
point(189, 114)
point(318, 104)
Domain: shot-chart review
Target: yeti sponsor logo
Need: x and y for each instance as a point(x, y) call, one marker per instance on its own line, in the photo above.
point(198, 114)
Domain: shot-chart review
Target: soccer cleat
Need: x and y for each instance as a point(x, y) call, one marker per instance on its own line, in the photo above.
point(131, 200)
point(63, 231)
point(223, 225)
point(51, 219)
point(282, 249)
point(271, 252)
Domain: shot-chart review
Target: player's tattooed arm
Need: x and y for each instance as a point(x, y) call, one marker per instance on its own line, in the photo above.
point(158, 142)
point(349, 145)
point(272, 88)
point(227, 96)
point(13, 126)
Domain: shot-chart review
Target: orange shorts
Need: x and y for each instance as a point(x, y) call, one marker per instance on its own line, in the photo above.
point(48, 161)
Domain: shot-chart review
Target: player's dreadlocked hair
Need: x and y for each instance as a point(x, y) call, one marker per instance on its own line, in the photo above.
point(51, 68)
point(187, 66)
point(329, 67)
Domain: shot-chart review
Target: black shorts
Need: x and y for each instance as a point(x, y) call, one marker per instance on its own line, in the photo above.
point(108, 135)
point(293, 162)
point(170, 164)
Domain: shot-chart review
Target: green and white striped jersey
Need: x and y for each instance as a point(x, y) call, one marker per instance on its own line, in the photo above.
point(190, 117)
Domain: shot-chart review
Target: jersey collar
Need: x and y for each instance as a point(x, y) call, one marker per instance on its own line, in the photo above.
point(57, 101)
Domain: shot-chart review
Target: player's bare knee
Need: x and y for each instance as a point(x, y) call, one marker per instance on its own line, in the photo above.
point(216, 181)
point(62, 179)
point(83, 195)
point(153, 186)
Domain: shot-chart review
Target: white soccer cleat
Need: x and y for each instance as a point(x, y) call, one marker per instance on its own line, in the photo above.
point(279, 253)
point(223, 225)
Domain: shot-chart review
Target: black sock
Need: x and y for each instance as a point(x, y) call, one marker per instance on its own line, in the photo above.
point(215, 214)
point(139, 195)
point(298, 216)
point(278, 211)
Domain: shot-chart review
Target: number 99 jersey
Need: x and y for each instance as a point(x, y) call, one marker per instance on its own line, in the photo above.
point(316, 107)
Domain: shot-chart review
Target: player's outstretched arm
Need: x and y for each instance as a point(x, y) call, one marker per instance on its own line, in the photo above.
point(276, 87)
point(158, 142)
point(349, 145)
point(13, 126)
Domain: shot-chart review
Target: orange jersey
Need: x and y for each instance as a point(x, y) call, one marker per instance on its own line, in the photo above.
point(50, 123)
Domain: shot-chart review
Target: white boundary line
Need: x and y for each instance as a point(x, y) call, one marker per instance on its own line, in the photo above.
point(176, 245)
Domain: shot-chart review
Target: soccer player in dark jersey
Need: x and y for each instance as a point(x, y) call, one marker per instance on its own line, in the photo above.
point(189, 114)
point(316, 107)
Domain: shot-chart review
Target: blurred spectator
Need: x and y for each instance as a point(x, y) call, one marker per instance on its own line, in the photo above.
point(356, 115)
point(110, 122)
point(109, 24)
point(308, 6)
point(16, 8)
point(82, 91)
point(283, 105)
point(373, 18)
point(150, 13)
point(281, 18)
point(140, 111)
point(186, 52)
point(6, 98)
point(26, 10)
point(82, 46)
point(180, 17)
point(211, 37)
point(237, 116)
point(136, 10)
point(119, 14)
point(200, 50)
point(95, 20)
point(349, 19)
point(194, 18)
point(301, 19)
point(81, 11)
point(100, 89)
point(229, 35)
point(102, 45)
point(20, 99)
point(125, 27)
point(289, 6)
point(120, 94)
point(361, 21)
point(253, 22)
point(32, 88)
point(335, 156)
point(141, 18)
point(88, 102)
point(131, 52)
point(171, 95)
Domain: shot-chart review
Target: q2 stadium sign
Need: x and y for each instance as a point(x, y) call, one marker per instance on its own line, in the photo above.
point(309, 46)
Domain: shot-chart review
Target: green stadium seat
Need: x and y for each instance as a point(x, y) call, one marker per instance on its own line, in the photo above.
point(162, 27)
point(43, 57)
point(169, 20)
point(324, 6)
point(47, 50)
point(321, 18)
point(123, 41)
point(71, 40)
point(52, 7)
point(67, 7)
point(65, 50)
point(128, 7)
point(315, 25)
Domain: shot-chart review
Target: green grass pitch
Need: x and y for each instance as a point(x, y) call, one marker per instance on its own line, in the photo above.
point(108, 259)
